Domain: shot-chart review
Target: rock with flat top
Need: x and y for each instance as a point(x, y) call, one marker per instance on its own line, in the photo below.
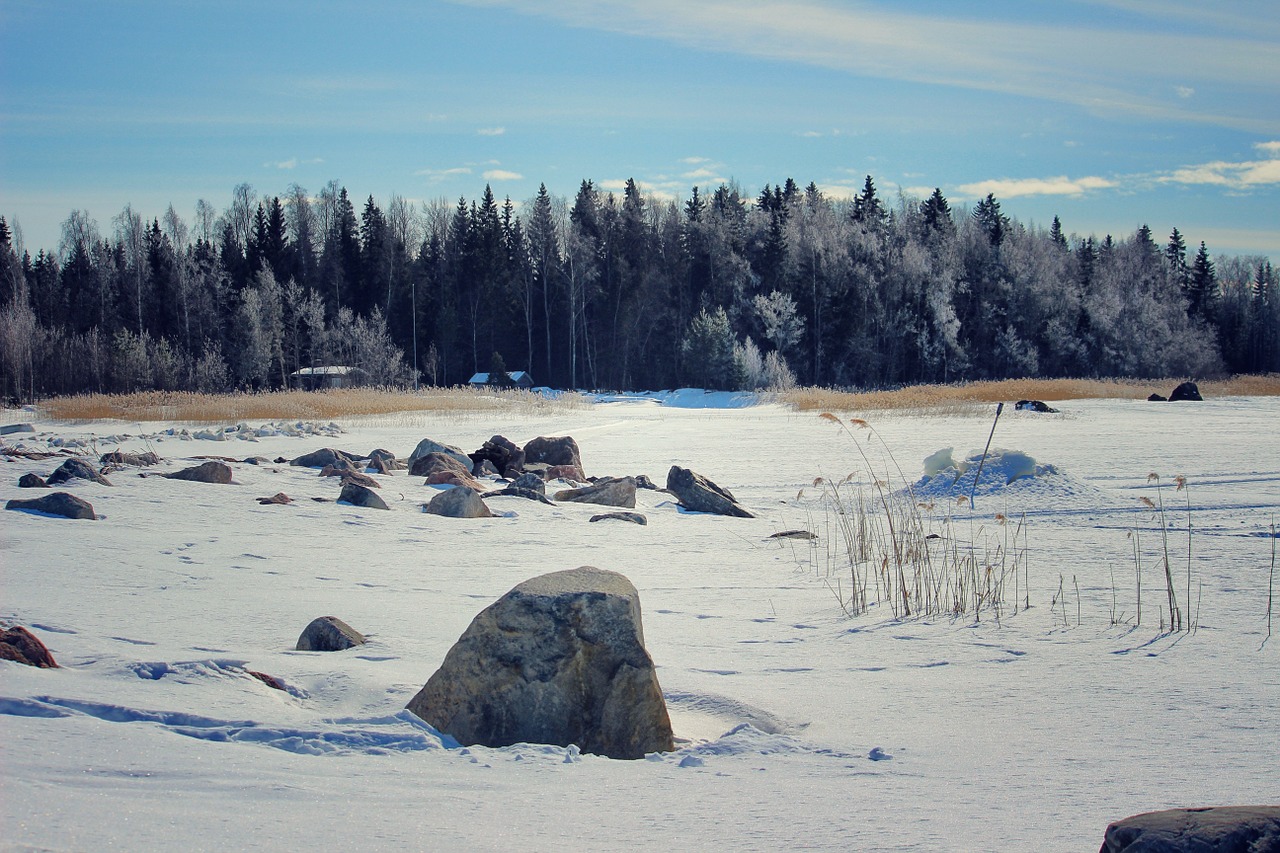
point(557, 450)
point(607, 491)
point(62, 504)
point(206, 472)
point(560, 659)
point(459, 502)
point(1225, 829)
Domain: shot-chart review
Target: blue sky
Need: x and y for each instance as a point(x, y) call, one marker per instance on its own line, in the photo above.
point(1107, 113)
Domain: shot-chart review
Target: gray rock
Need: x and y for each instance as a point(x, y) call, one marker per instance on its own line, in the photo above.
point(517, 492)
point(76, 469)
point(59, 503)
point(428, 445)
point(385, 457)
point(358, 495)
point(32, 481)
point(10, 429)
point(1186, 391)
point(206, 472)
point(137, 460)
point(321, 458)
point(607, 491)
point(531, 481)
point(561, 450)
point(328, 634)
point(1226, 829)
point(633, 517)
point(699, 494)
point(459, 502)
point(560, 659)
point(438, 460)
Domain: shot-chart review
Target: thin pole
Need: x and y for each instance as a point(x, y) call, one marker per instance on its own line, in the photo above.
point(999, 409)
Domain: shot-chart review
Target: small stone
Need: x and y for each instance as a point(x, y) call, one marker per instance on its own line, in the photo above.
point(328, 634)
point(633, 517)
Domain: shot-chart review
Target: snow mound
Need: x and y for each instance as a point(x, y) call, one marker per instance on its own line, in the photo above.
point(1002, 471)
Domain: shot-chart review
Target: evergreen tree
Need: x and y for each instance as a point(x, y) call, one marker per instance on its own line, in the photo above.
point(994, 224)
point(936, 213)
point(868, 210)
point(1055, 234)
point(1203, 285)
point(1176, 254)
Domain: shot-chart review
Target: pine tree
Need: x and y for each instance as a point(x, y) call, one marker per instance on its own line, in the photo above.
point(1055, 234)
point(1202, 289)
point(936, 213)
point(1176, 254)
point(993, 223)
point(868, 210)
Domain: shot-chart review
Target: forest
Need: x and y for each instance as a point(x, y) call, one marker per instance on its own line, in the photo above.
point(621, 292)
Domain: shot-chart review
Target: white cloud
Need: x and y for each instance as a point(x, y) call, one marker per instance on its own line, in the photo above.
point(1270, 148)
point(442, 174)
point(501, 175)
point(695, 161)
point(1244, 175)
point(491, 131)
point(1184, 92)
point(291, 163)
point(1015, 187)
point(705, 175)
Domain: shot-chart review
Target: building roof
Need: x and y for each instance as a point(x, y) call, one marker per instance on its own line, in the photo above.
point(517, 376)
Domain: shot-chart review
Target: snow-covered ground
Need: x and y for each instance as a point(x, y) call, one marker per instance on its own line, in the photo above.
point(798, 726)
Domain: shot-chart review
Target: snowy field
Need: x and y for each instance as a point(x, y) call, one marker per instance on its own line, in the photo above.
point(798, 726)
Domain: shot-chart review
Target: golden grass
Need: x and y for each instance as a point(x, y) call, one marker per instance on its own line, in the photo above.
point(186, 407)
point(972, 396)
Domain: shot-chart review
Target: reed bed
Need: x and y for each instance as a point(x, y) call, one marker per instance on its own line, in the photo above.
point(885, 550)
point(972, 397)
point(193, 408)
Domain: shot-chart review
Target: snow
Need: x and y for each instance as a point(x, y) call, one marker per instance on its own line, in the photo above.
point(797, 725)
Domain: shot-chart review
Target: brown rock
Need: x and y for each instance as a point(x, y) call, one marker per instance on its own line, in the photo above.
point(58, 503)
point(206, 472)
point(76, 469)
point(560, 450)
point(32, 481)
point(458, 503)
point(21, 646)
point(328, 634)
point(277, 498)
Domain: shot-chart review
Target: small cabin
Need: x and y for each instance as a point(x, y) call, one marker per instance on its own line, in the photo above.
point(519, 379)
point(331, 376)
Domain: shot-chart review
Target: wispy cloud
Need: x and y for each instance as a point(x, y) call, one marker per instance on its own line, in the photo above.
point(1016, 187)
point(491, 131)
point(1243, 175)
point(292, 163)
point(502, 175)
point(442, 174)
point(1096, 67)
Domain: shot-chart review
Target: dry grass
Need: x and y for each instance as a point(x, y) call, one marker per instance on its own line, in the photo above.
point(971, 397)
point(184, 407)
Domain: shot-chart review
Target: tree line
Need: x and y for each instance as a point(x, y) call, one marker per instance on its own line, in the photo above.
point(618, 291)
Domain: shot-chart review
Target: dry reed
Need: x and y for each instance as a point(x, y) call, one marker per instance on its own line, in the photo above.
point(187, 407)
point(972, 397)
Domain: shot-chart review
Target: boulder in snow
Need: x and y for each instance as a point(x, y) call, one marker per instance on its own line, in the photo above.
point(21, 646)
point(560, 659)
point(322, 457)
point(212, 471)
point(439, 460)
point(502, 453)
point(32, 481)
point(358, 495)
point(1226, 829)
point(558, 450)
point(698, 494)
point(64, 504)
point(459, 502)
point(606, 491)
point(633, 517)
point(76, 469)
point(428, 445)
point(328, 634)
point(1186, 391)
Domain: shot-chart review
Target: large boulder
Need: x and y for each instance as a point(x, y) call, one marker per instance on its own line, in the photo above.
point(59, 503)
point(428, 445)
point(459, 502)
point(559, 450)
point(358, 495)
point(502, 453)
point(322, 457)
point(1186, 391)
point(76, 469)
point(560, 659)
point(212, 471)
point(1226, 829)
point(698, 494)
point(453, 478)
point(439, 460)
point(328, 634)
point(606, 491)
point(21, 646)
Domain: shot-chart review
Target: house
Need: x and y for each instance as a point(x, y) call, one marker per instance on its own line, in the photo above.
point(519, 378)
point(332, 376)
